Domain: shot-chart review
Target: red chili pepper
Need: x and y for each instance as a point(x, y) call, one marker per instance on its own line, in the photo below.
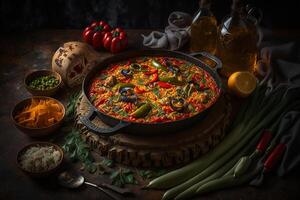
point(154, 78)
point(115, 41)
point(274, 157)
point(153, 71)
point(164, 84)
point(264, 141)
point(139, 90)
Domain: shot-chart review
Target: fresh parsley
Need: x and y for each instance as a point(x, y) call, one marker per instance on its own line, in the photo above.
point(150, 174)
point(123, 176)
point(71, 106)
point(107, 163)
point(78, 150)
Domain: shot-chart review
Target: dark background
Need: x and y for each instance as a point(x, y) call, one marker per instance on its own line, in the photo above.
point(135, 14)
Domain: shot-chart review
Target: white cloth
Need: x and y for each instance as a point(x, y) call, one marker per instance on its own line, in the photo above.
point(176, 34)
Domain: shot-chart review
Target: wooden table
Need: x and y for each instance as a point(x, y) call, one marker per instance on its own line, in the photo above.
point(22, 52)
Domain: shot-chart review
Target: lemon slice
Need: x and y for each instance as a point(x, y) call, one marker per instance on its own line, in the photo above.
point(242, 83)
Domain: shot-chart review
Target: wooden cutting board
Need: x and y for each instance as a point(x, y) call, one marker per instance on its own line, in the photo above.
point(170, 150)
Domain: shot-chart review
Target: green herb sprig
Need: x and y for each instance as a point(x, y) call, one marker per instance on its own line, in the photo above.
point(150, 174)
point(71, 106)
point(123, 176)
point(78, 150)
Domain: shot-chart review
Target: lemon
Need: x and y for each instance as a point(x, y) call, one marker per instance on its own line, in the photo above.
point(242, 83)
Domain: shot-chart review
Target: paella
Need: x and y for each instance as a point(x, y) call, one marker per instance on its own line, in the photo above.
point(152, 89)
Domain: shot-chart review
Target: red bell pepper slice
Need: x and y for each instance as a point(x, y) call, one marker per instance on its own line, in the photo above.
point(152, 71)
point(164, 84)
point(125, 80)
point(154, 78)
point(128, 107)
point(100, 102)
point(139, 90)
point(167, 109)
point(158, 119)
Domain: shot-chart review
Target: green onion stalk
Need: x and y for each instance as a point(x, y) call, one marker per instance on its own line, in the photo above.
point(239, 136)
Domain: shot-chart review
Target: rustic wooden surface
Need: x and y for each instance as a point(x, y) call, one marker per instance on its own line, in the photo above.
point(22, 52)
point(164, 150)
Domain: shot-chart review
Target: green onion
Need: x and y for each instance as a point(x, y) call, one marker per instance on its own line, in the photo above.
point(191, 191)
point(225, 182)
point(215, 170)
point(238, 136)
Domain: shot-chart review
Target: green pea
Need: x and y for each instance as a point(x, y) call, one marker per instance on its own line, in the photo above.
point(44, 83)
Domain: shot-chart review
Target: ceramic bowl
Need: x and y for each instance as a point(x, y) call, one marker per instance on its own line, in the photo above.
point(42, 173)
point(38, 73)
point(36, 132)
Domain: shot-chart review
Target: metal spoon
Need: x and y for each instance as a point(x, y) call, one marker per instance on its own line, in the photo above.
point(72, 179)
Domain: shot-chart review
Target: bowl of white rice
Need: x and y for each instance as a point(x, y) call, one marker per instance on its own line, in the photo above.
point(40, 158)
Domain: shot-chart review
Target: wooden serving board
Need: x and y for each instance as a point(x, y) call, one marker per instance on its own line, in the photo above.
point(168, 150)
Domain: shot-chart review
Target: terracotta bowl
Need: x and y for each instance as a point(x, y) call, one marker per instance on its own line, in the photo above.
point(35, 74)
point(36, 132)
point(43, 173)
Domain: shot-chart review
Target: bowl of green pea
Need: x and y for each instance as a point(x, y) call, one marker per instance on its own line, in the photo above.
point(43, 82)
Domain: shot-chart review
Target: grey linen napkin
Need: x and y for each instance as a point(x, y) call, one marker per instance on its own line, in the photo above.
point(176, 33)
point(284, 72)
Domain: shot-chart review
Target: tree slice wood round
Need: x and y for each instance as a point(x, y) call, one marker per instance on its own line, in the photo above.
point(168, 150)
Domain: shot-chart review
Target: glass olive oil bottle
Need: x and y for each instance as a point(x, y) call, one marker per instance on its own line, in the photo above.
point(204, 29)
point(237, 41)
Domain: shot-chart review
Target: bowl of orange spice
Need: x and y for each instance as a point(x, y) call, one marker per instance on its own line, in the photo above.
point(38, 116)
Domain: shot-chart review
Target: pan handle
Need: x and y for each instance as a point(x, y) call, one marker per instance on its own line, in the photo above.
point(87, 121)
point(216, 60)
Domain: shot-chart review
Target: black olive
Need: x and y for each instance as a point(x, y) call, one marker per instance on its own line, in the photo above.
point(173, 68)
point(127, 95)
point(135, 67)
point(178, 104)
point(129, 99)
point(126, 72)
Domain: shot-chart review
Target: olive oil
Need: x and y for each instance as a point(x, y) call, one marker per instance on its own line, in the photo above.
point(204, 30)
point(237, 42)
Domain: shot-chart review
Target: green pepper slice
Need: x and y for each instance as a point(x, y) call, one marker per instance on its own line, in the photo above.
point(173, 80)
point(121, 85)
point(142, 111)
point(156, 64)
